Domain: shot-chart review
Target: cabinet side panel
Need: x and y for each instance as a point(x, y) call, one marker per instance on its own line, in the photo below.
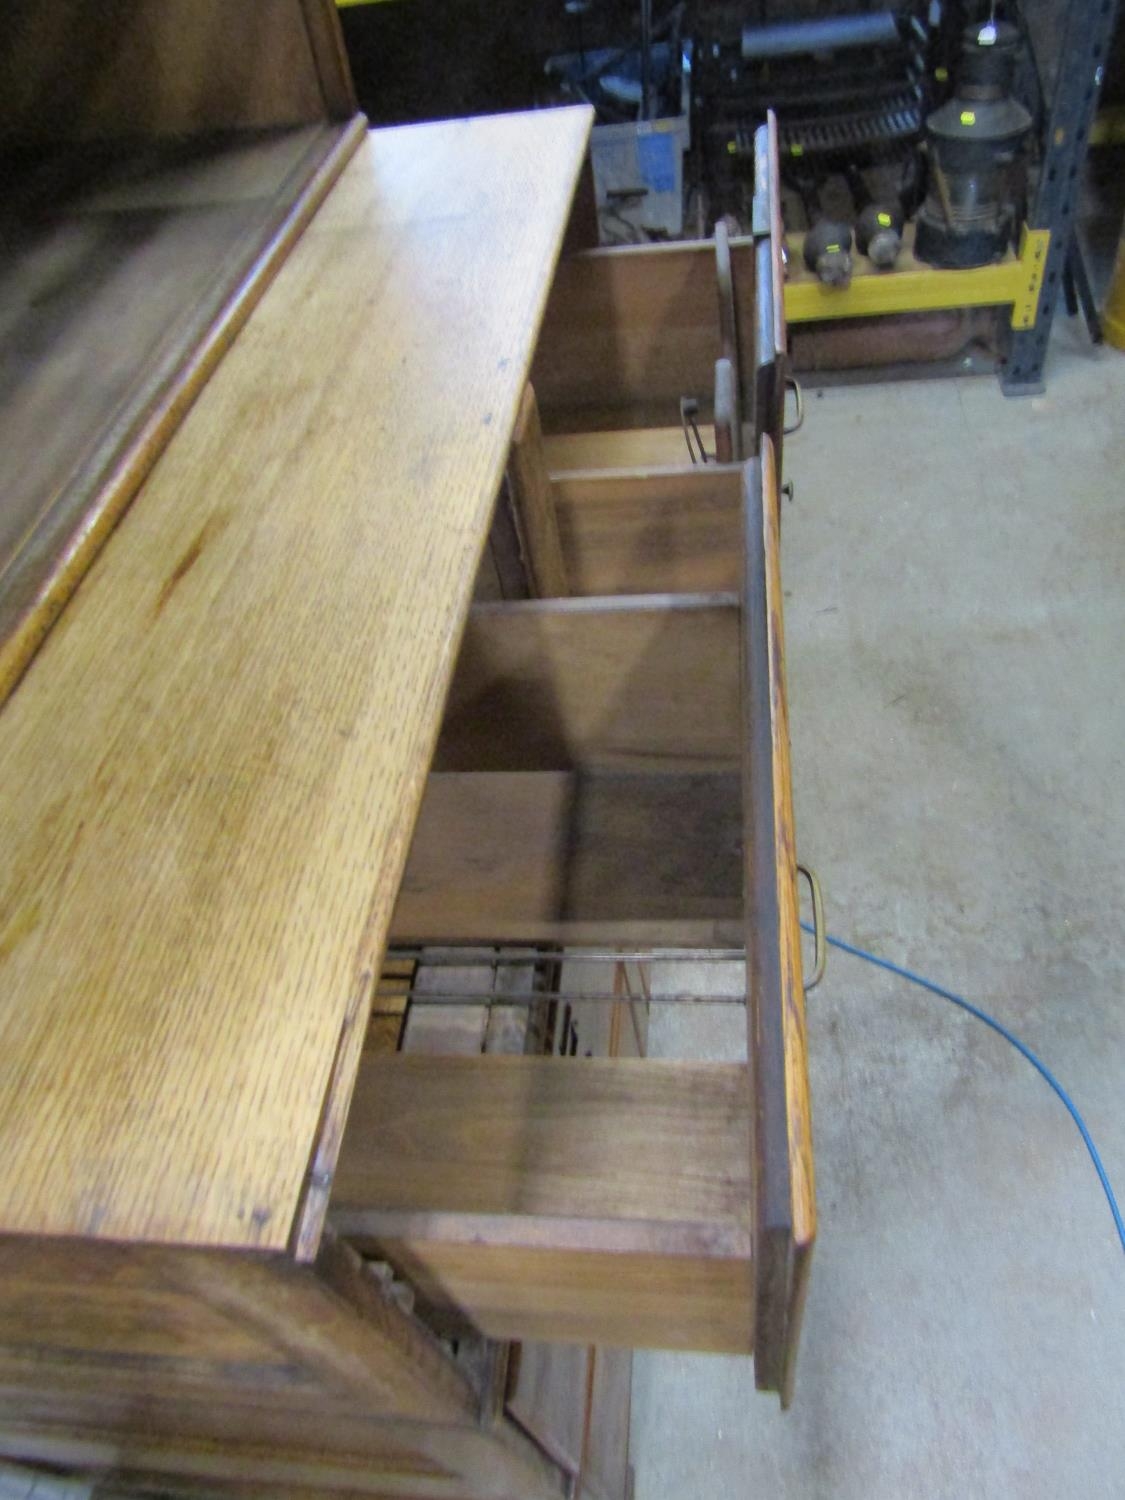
point(223, 1367)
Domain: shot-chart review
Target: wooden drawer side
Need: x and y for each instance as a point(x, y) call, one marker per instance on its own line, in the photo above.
point(569, 1199)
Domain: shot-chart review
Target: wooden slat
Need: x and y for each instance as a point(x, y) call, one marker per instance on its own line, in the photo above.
point(785, 1212)
point(533, 501)
point(548, 1398)
point(561, 857)
point(606, 1470)
point(649, 682)
point(639, 531)
point(212, 766)
point(626, 448)
point(547, 1137)
point(287, 1454)
point(663, 1298)
point(235, 1366)
point(576, 1400)
point(555, 1197)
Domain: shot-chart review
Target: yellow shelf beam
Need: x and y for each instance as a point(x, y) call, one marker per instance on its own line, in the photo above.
point(916, 287)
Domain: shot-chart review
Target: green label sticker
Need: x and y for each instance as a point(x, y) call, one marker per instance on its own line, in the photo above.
point(832, 249)
point(796, 149)
point(941, 74)
point(884, 220)
point(967, 117)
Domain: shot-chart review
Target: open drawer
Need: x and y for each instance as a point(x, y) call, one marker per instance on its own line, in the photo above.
point(611, 771)
point(657, 370)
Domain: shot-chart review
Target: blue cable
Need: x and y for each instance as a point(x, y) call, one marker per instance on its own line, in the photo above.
point(1040, 1067)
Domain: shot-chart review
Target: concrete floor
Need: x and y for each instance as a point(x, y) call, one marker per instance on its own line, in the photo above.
point(954, 569)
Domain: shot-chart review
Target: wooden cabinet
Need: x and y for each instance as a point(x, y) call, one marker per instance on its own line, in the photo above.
point(254, 733)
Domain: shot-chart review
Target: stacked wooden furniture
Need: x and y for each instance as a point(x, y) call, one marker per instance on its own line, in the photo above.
point(244, 1248)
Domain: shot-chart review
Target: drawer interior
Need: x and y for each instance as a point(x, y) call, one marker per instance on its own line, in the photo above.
point(586, 789)
point(657, 370)
point(640, 499)
point(611, 771)
point(628, 332)
point(587, 781)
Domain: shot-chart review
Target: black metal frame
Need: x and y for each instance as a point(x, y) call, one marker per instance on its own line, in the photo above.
point(1086, 39)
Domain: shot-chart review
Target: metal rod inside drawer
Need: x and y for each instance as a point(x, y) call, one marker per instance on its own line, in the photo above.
point(429, 959)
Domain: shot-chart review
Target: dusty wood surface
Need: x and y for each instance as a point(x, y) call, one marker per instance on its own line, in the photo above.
point(640, 682)
point(119, 304)
point(213, 765)
point(556, 856)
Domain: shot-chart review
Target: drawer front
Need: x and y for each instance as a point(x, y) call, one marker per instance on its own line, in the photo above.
point(785, 1205)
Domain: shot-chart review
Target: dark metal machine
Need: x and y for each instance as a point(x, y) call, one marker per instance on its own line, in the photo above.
point(975, 144)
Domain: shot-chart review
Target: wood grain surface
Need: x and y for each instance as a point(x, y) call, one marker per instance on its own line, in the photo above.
point(641, 682)
point(557, 1197)
point(211, 769)
point(639, 531)
point(629, 330)
point(606, 1473)
point(624, 448)
point(236, 1367)
point(533, 501)
point(802, 1183)
point(784, 1208)
point(700, 1299)
point(556, 856)
point(583, 1138)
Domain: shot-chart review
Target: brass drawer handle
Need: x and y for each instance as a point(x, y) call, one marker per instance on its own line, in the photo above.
point(794, 385)
point(820, 946)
